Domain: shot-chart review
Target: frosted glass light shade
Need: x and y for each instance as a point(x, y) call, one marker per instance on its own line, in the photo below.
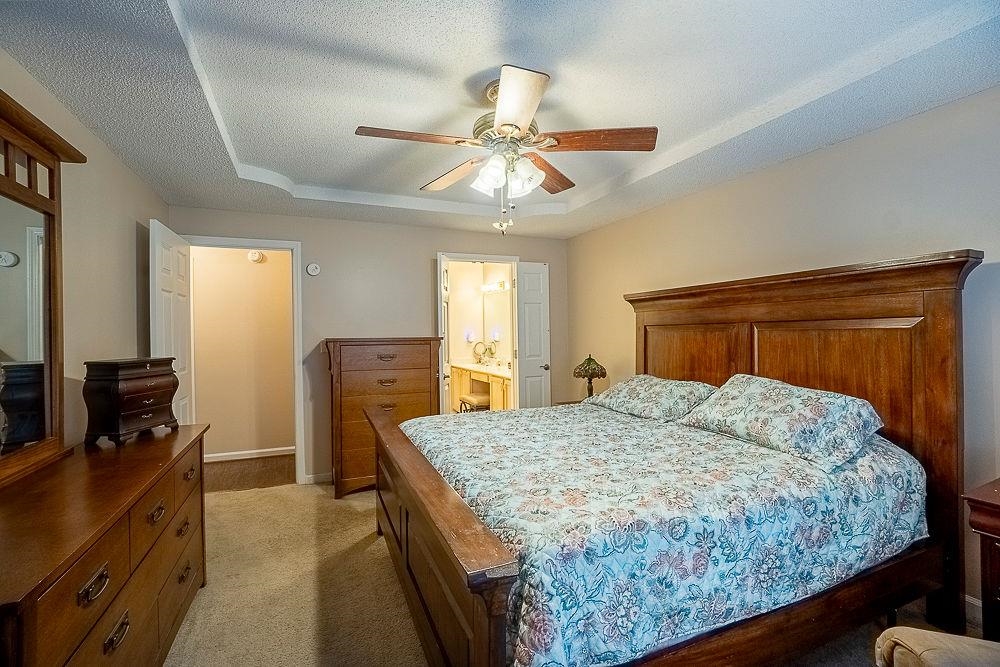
point(524, 178)
point(494, 172)
point(482, 186)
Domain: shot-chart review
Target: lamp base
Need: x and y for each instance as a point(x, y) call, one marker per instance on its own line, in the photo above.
point(590, 387)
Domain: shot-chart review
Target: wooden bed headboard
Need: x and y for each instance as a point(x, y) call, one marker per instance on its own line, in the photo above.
point(889, 332)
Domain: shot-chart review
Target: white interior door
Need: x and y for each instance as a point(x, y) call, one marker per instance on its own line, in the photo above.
point(170, 310)
point(534, 385)
point(444, 359)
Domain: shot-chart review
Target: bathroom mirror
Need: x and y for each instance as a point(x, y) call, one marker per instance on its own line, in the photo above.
point(31, 344)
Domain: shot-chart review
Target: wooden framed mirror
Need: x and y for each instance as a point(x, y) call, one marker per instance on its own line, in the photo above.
point(31, 340)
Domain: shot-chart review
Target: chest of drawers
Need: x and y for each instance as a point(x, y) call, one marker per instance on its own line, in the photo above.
point(103, 552)
point(398, 375)
point(126, 397)
point(22, 403)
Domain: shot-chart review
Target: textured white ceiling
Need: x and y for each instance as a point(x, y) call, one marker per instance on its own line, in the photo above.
point(252, 104)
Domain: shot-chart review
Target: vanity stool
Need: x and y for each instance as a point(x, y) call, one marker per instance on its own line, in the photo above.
point(474, 402)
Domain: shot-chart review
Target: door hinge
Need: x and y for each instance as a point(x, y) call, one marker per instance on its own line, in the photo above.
point(513, 282)
point(515, 354)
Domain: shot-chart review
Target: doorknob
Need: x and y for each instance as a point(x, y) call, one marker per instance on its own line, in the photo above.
point(545, 367)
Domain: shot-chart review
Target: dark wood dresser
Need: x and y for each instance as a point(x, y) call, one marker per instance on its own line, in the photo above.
point(398, 375)
point(126, 397)
point(102, 552)
point(22, 403)
point(984, 519)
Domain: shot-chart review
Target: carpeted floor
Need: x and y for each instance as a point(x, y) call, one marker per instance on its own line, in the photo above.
point(298, 578)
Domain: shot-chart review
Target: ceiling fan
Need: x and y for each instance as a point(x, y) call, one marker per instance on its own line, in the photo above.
point(511, 129)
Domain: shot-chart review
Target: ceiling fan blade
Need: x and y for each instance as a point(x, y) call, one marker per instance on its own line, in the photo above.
point(611, 139)
point(454, 176)
point(517, 100)
point(384, 133)
point(555, 181)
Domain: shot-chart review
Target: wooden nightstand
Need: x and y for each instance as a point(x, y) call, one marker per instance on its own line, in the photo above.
point(984, 518)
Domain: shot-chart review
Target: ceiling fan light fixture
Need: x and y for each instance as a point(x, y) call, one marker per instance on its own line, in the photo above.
point(494, 172)
point(524, 177)
point(482, 186)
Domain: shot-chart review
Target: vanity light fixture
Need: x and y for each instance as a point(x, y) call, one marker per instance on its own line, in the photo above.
point(500, 286)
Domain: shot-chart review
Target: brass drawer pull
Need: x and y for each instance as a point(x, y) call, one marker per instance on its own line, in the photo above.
point(147, 401)
point(189, 475)
point(146, 416)
point(388, 382)
point(118, 635)
point(387, 406)
point(185, 574)
point(96, 585)
point(183, 530)
point(157, 514)
point(386, 357)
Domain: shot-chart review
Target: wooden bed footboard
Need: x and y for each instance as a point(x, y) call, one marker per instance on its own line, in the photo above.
point(455, 573)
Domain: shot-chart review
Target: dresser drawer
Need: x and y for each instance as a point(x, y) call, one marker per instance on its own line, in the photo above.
point(185, 575)
point(138, 402)
point(150, 516)
point(127, 633)
point(357, 463)
point(66, 612)
point(402, 406)
point(366, 383)
point(174, 540)
point(146, 385)
point(187, 474)
point(370, 357)
point(358, 435)
point(143, 419)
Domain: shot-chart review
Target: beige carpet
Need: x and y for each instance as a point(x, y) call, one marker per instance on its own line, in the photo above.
point(298, 578)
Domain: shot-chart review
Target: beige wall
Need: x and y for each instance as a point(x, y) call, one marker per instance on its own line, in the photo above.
point(497, 306)
point(376, 280)
point(465, 308)
point(104, 205)
point(243, 348)
point(925, 184)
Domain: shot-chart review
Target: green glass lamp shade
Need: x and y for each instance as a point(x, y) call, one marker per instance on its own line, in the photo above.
point(590, 369)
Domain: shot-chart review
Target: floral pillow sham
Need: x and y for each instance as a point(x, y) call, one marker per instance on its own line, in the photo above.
point(822, 427)
point(652, 397)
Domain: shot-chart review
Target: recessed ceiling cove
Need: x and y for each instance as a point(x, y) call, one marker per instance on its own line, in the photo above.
point(283, 86)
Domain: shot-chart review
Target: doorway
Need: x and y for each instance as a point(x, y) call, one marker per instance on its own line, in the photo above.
point(241, 324)
point(493, 317)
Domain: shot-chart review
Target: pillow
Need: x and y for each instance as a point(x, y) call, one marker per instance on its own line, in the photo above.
point(652, 397)
point(822, 427)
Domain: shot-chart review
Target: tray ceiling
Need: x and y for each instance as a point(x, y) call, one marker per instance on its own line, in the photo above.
point(252, 104)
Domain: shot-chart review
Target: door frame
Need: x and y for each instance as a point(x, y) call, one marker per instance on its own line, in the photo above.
point(443, 255)
point(298, 383)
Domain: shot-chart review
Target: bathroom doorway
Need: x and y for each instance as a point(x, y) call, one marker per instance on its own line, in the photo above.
point(493, 317)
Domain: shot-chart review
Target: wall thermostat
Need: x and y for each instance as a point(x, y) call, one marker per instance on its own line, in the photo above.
point(313, 269)
point(8, 259)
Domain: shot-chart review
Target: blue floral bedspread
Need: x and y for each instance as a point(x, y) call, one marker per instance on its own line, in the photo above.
point(632, 533)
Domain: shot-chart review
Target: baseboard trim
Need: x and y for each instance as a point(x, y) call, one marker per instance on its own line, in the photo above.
point(319, 478)
point(249, 454)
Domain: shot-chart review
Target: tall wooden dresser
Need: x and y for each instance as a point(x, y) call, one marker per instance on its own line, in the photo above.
point(398, 375)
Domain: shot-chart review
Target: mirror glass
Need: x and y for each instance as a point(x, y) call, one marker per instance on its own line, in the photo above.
point(22, 326)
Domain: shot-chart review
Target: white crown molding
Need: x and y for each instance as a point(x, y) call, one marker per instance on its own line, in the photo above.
point(928, 33)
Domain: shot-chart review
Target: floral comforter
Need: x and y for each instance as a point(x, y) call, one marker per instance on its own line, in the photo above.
point(632, 533)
